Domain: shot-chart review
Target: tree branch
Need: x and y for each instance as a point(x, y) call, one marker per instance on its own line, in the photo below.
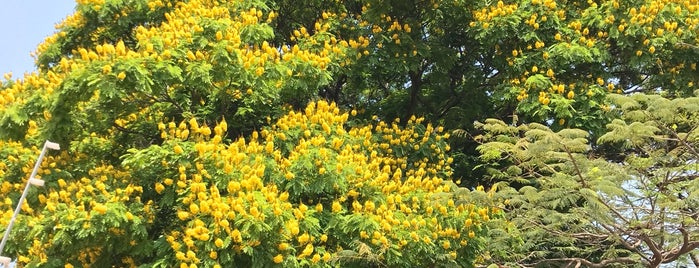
point(683, 141)
point(657, 255)
point(686, 246)
point(575, 166)
point(580, 261)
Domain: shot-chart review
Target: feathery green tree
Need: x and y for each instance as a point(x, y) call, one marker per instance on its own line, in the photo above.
point(634, 206)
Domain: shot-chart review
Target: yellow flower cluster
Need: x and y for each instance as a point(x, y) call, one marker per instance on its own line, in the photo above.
point(73, 206)
point(15, 159)
point(267, 193)
point(398, 32)
point(487, 14)
point(642, 29)
point(230, 31)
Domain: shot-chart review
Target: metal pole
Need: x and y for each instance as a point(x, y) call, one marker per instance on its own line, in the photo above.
point(32, 180)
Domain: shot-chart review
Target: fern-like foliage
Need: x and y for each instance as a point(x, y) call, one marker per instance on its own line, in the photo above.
point(567, 203)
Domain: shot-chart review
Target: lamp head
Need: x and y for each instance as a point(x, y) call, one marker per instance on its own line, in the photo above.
point(36, 182)
point(52, 145)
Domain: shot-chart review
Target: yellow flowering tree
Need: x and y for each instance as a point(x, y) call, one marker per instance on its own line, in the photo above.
point(117, 66)
point(562, 58)
point(542, 59)
point(186, 143)
point(308, 191)
point(194, 134)
point(456, 62)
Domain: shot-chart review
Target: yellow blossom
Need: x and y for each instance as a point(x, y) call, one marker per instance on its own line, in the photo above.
point(278, 259)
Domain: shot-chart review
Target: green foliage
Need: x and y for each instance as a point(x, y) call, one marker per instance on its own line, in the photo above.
point(570, 206)
point(130, 88)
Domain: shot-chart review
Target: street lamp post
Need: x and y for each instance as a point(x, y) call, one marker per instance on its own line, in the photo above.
point(5, 261)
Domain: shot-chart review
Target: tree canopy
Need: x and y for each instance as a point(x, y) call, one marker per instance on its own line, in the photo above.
point(641, 206)
point(319, 133)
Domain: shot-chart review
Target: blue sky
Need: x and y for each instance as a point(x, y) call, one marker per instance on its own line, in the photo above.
point(25, 24)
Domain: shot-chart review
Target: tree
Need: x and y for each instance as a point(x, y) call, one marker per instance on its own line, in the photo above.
point(191, 138)
point(456, 62)
point(637, 208)
point(128, 82)
point(304, 191)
